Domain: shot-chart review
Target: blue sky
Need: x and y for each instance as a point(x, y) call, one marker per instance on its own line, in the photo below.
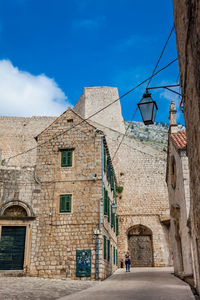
point(51, 49)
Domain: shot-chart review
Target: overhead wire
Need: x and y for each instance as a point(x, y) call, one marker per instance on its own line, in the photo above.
point(154, 70)
point(163, 50)
point(92, 115)
point(124, 134)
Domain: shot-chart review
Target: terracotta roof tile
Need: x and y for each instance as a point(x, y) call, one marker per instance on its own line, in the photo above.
point(179, 139)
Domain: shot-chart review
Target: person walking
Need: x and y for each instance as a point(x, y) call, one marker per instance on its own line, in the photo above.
point(127, 261)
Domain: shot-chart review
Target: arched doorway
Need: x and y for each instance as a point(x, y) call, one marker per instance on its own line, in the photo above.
point(140, 246)
point(15, 234)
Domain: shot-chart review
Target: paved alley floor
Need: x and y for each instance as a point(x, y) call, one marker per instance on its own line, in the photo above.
point(34, 288)
point(139, 284)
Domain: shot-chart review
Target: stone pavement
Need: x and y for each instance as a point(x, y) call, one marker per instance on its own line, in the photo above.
point(32, 288)
point(139, 284)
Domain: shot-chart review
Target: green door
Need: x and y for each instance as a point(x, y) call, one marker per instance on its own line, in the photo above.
point(12, 245)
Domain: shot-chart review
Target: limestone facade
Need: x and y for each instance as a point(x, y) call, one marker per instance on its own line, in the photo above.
point(53, 236)
point(178, 182)
point(187, 28)
point(37, 181)
point(140, 171)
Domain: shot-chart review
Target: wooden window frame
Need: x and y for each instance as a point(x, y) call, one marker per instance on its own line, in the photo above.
point(64, 211)
point(67, 164)
point(105, 247)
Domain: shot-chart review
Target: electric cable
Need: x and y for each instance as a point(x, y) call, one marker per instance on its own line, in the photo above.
point(124, 134)
point(163, 50)
point(84, 120)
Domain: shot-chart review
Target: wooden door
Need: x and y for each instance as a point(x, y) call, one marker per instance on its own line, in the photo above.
point(12, 246)
point(140, 247)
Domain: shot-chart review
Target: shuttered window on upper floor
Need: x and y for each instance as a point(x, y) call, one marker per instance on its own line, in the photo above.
point(104, 247)
point(65, 203)
point(66, 157)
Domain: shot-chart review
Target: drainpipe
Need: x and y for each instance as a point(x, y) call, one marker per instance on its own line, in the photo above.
point(102, 187)
point(97, 258)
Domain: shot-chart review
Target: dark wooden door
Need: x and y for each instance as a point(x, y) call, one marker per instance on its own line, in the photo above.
point(140, 247)
point(12, 246)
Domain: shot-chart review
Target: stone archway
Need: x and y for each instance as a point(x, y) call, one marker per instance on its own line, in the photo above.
point(140, 246)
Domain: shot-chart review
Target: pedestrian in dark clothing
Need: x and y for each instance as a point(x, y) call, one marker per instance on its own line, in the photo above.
point(127, 261)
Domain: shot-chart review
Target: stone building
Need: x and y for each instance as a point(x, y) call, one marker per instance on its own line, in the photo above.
point(187, 28)
point(56, 215)
point(178, 182)
point(61, 210)
point(143, 207)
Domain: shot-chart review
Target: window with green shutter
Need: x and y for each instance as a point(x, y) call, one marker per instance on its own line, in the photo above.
point(108, 243)
point(66, 158)
point(114, 194)
point(65, 203)
point(104, 159)
point(112, 179)
point(117, 226)
point(105, 202)
point(104, 247)
point(112, 220)
point(114, 255)
point(108, 199)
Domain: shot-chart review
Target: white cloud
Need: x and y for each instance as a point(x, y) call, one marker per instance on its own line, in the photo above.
point(23, 94)
point(89, 23)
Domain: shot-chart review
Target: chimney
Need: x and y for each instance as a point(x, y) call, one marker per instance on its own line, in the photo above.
point(173, 127)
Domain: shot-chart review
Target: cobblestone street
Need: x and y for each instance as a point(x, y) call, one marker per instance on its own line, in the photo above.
point(139, 284)
point(31, 288)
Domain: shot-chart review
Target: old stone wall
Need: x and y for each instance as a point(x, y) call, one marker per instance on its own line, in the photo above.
point(94, 99)
point(17, 135)
point(56, 235)
point(187, 26)
point(140, 170)
point(179, 199)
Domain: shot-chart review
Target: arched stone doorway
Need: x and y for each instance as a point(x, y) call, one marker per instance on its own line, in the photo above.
point(15, 235)
point(140, 246)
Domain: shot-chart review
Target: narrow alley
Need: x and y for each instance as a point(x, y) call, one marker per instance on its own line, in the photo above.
point(139, 284)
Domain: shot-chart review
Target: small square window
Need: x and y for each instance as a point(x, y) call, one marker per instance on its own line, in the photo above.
point(65, 203)
point(66, 158)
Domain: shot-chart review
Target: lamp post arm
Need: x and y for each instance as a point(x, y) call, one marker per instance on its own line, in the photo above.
point(173, 91)
point(167, 87)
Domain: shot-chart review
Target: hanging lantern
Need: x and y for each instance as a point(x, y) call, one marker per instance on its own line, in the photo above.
point(148, 109)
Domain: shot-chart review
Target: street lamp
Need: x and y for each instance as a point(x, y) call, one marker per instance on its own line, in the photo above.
point(148, 108)
point(114, 208)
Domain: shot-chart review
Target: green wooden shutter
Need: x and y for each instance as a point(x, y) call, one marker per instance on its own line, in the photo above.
point(68, 203)
point(104, 253)
point(66, 158)
point(105, 202)
point(114, 194)
point(114, 255)
point(69, 158)
point(108, 201)
point(108, 242)
point(112, 216)
point(112, 180)
point(104, 159)
point(62, 204)
point(117, 226)
point(65, 203)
